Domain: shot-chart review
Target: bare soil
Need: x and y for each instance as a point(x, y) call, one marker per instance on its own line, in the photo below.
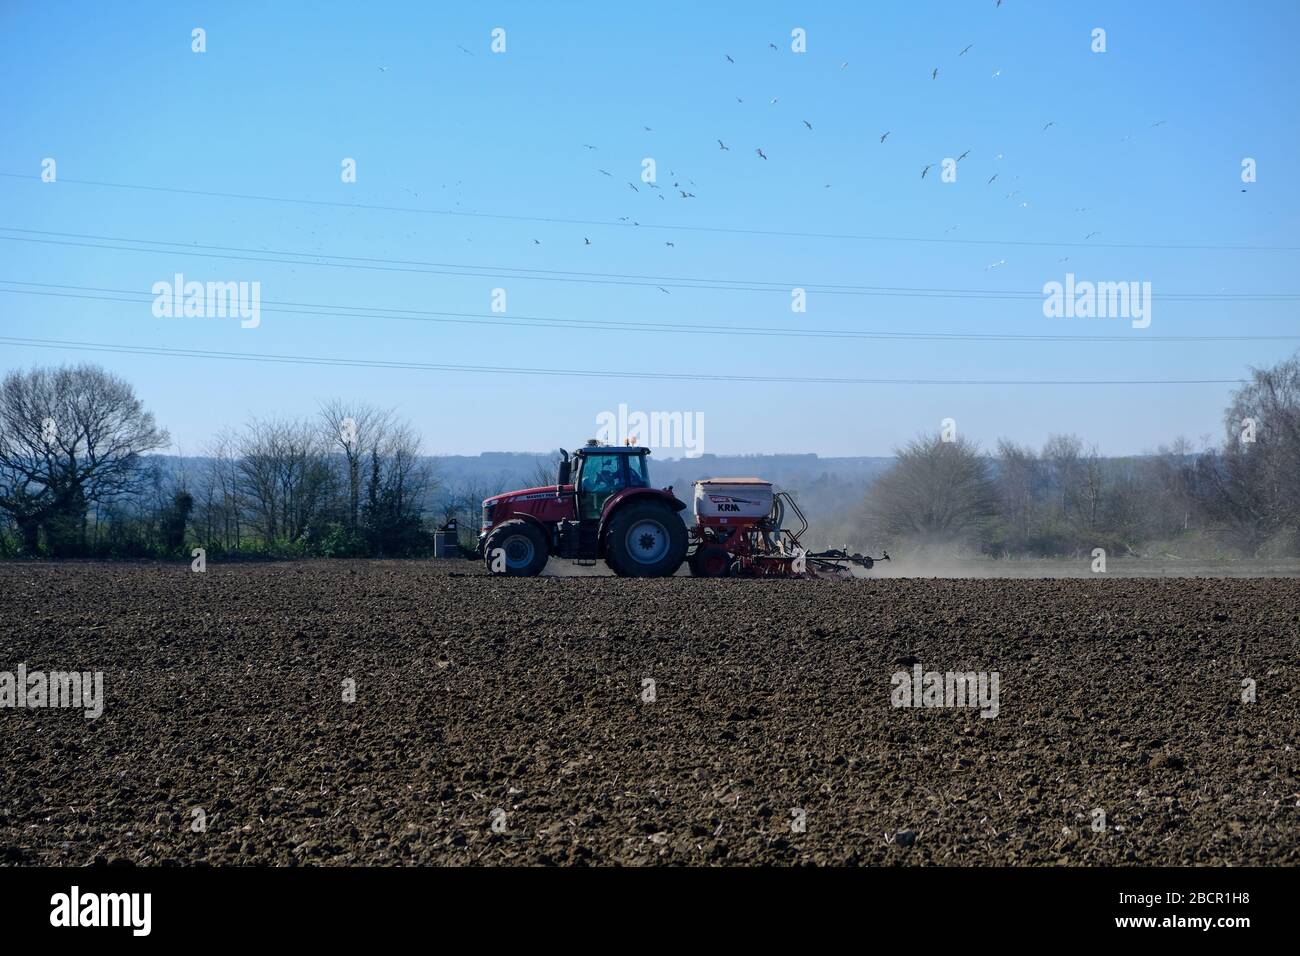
point(506, 721)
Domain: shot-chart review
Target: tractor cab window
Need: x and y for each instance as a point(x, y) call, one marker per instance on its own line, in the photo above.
point(602, 476)
point(636, 472)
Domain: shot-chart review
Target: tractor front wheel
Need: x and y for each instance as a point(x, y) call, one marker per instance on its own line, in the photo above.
point(645, 540)
point(516, 548)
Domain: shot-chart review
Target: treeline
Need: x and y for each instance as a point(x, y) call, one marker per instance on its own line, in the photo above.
point(79, 477)
point(1240, 498)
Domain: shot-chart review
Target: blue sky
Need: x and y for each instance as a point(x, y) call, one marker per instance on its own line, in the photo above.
point(286, 91)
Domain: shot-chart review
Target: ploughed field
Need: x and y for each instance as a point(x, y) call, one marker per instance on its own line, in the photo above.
point(511, 721)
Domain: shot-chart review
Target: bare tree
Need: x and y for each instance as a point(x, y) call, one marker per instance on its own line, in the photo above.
point(1253, 484)
point(399, 480)
point(70, 438)
point(467, 504)
point(1018, 482)
point(1062, 454)
point(545, 471)
point(936, 492)
point(355, 430)
point(283, 476)
point(1092, 488)
point(220, 504)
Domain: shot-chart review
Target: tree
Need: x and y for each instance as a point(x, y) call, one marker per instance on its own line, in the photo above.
point(936, 492)
point(284, 478)
point(355, 430)
point(220, 504)
point(545, 471)
point(1019, 482)
point(398, 482)
point(174, 520)
point(70, 438)
point(1253, 484)
point(1062, 453)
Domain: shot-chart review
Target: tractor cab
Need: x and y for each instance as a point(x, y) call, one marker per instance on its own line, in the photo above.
point(602, 471)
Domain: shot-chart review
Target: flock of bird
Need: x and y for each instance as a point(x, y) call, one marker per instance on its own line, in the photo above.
point(684, 187)
point(760, 152)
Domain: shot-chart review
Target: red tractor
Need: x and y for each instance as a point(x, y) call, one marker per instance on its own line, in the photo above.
point(601, 506)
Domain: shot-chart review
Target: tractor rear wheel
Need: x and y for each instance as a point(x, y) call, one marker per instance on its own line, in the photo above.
point(516, 548)
point(645, 540)
point(711, 561)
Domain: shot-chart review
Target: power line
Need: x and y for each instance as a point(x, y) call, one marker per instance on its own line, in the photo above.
point(606, 325)
point(555, 220)
point(329, 260)
point(581, 373)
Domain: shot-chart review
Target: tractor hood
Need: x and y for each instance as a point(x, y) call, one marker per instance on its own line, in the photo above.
point(543, 491)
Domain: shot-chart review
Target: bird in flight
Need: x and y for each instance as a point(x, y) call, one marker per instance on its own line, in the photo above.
point(632, 186)
point(686, 195)
point(722, 145)
point(884, 136)
point(774, 99)
point(808, 124)
point(647, 129)
point(1050, 123)
point(1089, 235)
point(536, 243)
point(926, 170)
point(963, 156)
point(996, 74)
point(586, 241)
point(587, 146)
point(761, 154)
point(383, 69)
point(663, 290)
point(670, 245)
point(968, 46)
point(605, 172)
point(999, 3)
point(934, 74)
point(844, 64)
point(462, 49)
point(1161, 123)
point(991, 178)
point(729, 59)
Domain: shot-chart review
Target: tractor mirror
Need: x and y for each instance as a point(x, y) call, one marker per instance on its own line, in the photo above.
point(563, 477)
